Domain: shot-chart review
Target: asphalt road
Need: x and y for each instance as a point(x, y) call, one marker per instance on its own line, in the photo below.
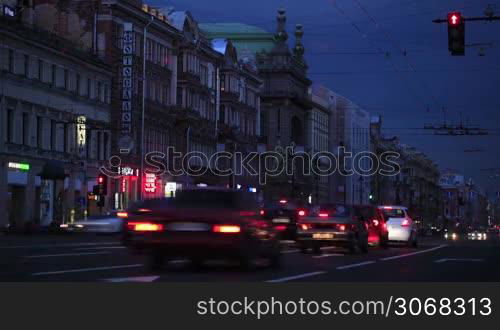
point(102, 258)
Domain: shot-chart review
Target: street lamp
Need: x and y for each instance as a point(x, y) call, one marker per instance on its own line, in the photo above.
point(143, 102)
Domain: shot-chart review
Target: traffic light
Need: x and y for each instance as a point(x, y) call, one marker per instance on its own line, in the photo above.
point(456, 34)
point(102, 183)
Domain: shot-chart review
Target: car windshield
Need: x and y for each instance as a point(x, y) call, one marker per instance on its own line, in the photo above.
point(393, 213)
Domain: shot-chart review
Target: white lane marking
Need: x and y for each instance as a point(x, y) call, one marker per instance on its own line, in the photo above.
point(86, 270)
point(328, 255)
point(57, 245)
point(356, 265)
point(66, 255)
point(458, 259)
point(296, 277)
point(291, 251)
point(102, 248)
point(142, 279)
point(414, 253)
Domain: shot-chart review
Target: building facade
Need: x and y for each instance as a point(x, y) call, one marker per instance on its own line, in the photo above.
point(55, 124)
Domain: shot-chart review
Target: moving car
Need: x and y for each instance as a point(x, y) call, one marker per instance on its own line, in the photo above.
point(455, 231)
point(477, 234)
point(284, 215)
point(332, 225)
point(203, 224)
point(111, 223)
point(400, 225)
point(378, 233)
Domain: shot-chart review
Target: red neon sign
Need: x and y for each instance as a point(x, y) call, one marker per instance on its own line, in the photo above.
point(150, 183)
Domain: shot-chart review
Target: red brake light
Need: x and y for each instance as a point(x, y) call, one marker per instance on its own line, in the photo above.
point(342, 227)
point(122, 214)
point(145, 226)
point(144, 210)
point(280, 228)
point(262, 212)
point(376, 222)
point(302, 213)
point(323, 215)
point(405, 223)
point(227, 229)
point(283, 201)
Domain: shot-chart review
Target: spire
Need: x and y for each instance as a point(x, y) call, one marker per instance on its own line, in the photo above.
point(281, 34)
point(299, 47)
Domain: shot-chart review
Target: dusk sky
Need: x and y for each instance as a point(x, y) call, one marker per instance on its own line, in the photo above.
point(357, 47)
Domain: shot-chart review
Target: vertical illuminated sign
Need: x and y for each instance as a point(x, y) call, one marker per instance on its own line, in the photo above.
point(127, 83)
point(81, 135)
point(150, 183)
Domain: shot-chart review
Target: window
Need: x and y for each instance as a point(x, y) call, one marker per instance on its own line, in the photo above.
point(11, 60)
point(53, 135)
point(26, 128)
point(89, 88)
point(40, 70)
point(39, 132)
point(66, 79)
point(222, 82)
point(27, 65)
point(106, 92)
point(77, 89)
point(10, 125)
point(99, 91)
point(54, 75)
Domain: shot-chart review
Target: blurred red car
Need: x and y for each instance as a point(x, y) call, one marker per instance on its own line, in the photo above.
point(202, 224)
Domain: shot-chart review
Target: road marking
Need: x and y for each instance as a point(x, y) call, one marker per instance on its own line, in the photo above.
point(328, 255)
point(66, 255)
point(57, 245)
point(142, 279)
point(356, 265)
point(102, 248)
point(458, 259)
point(296, 277)
point(291, 251)
point(86, 270)
point(414, 253)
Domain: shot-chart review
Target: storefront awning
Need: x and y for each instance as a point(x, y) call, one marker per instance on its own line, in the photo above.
point(53, 170)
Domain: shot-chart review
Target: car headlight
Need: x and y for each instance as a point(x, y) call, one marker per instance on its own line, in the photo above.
point(454, 236)
point(446, 235)
point(79, 226)
point(64, 225)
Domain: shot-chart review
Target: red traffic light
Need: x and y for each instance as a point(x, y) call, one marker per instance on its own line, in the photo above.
point(100, 179)
point(454, 18)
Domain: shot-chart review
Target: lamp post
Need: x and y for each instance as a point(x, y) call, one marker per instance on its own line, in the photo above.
point(143, 103)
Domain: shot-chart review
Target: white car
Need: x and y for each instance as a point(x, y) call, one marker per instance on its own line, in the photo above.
point(400, 225)
point(111, 223)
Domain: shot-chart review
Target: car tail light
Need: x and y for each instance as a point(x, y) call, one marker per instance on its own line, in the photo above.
point(227, 229)
point(305, 226)
point(145, 226)
point(384, 226)
point(262, 212)
point(323, 215)
point(343, 227)
point(122, 214)
point(144, 210)
point(283, 201)
point(405, 223)
point(375, 222)
point(302, 213)
point(280, 228)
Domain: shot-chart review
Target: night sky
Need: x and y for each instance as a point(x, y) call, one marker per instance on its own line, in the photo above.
point(357, 47)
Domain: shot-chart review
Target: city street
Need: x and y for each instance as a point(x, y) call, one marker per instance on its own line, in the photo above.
point(102, 258)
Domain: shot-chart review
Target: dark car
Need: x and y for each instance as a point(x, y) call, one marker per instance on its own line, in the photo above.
point(378, 233)
point(284, 215)
point(202, 224)
point(332, 225)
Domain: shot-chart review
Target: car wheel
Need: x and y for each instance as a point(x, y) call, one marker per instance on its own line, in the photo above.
point(156, 261)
